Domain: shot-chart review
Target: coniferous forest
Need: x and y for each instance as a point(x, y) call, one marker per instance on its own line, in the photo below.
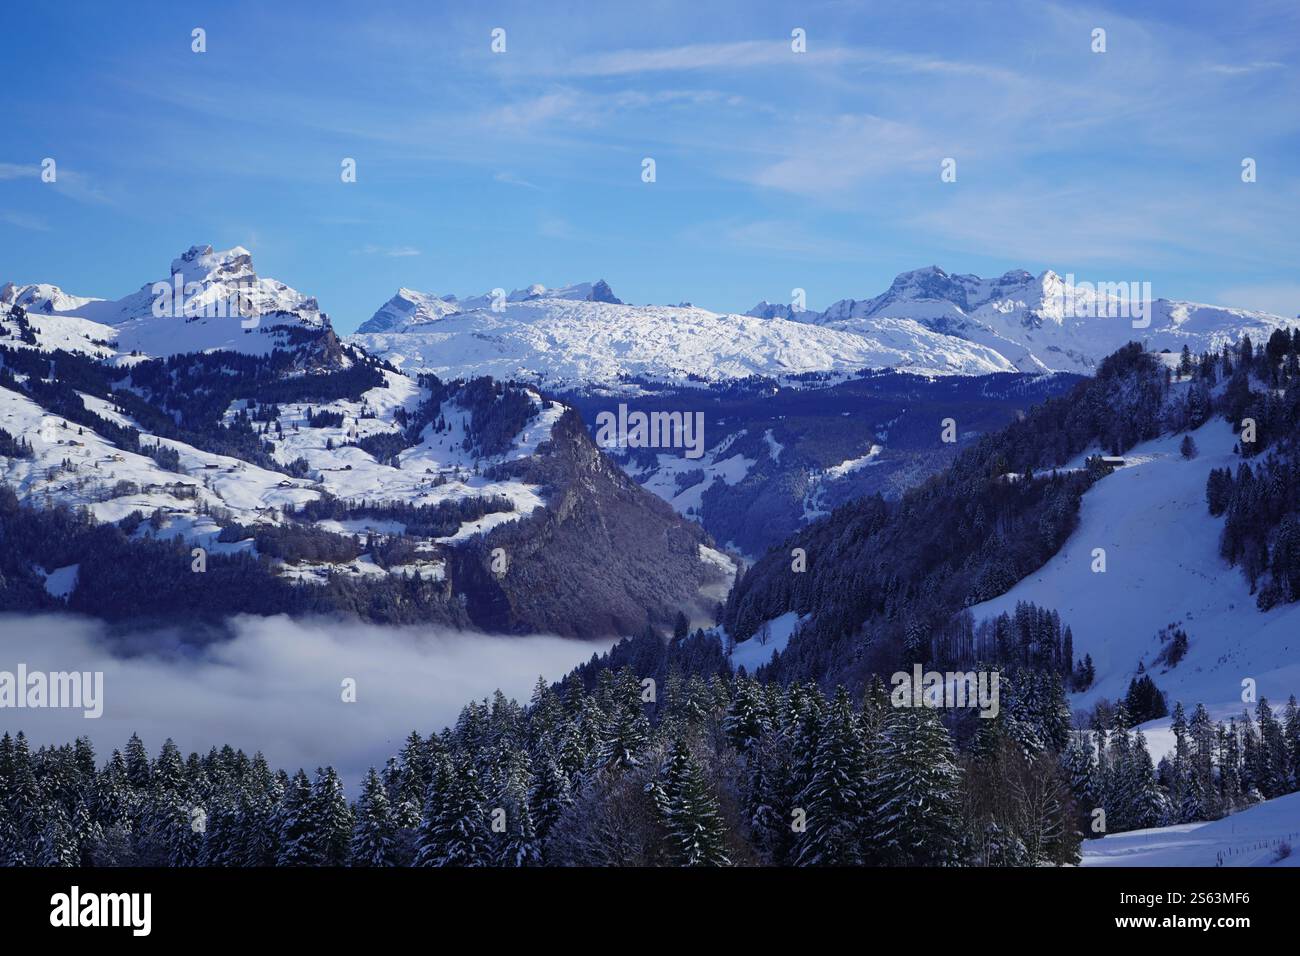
point(713, 771)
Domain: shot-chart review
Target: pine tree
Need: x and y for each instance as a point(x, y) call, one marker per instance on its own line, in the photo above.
point(1291, 734)
point(453, 828)
point(746, 720)
point(550, 794)
point(414, 774)
point(374, 830)
point(914, 804)
point(1273, 759)
point(221, 841)
point(689, 812)
point(333, 818)
point(259, 832)
point(137, 764)
point(300, 832)
point(835, 799)
point(626, 730)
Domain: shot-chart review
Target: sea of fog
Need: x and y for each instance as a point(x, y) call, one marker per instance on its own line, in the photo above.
point(276, 685)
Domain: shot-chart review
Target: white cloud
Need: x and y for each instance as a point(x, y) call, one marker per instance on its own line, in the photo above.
point(753, 54)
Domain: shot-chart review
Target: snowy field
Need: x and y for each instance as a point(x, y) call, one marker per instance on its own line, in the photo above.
point(1254, 837)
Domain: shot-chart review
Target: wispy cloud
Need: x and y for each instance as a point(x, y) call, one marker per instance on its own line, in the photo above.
point(780, 236)
point(22, 221)
point(18, 171)
point(72, 183)
point(1243, 69)
point(391, 252)
point(760, 54)
point(824, 158)
point(510, 179)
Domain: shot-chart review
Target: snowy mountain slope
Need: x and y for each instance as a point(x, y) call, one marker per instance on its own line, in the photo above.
point(48, 333)
point(1044, 322)
point(77, 466)
point(210, 300)
point(1253, 837)
point(1162, 567)
point(570, 343)
point(409, 309)
point(927, 321)
point(777, 457)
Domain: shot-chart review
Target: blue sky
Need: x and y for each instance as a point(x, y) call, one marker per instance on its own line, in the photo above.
point(774, 170)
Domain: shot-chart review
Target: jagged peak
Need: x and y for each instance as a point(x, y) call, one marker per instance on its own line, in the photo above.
point(201, 262)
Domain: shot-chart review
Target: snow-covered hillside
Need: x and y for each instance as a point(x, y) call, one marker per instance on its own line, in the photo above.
point(75, 465)
point(1259, 836)
point(1163, 566)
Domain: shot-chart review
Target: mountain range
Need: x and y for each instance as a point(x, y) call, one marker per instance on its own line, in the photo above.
point(582, 336)
point(928, 322)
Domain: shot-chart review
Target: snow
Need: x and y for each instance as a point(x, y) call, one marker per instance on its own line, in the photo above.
point(774, 447)
point(61, 581)
point(927, 322)
point(199, 319)
point(814, 501)
point(566, 342)
point(436, 469)
point(716, 464)
point(1248, 838)
point(1046, 323)
point(751, 654)
point(1163, 567)
point(66, 332)
point(836, 472)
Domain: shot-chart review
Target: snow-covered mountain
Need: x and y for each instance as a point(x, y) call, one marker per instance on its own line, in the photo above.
point(409, 310)
point(209, 300)
point(928, 322)
point(572, 343)
point(1045, 322)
